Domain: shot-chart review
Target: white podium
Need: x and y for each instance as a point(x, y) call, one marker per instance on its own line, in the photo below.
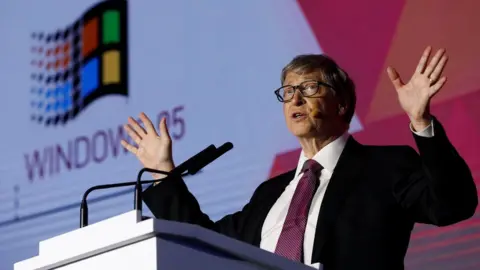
point(128, 242)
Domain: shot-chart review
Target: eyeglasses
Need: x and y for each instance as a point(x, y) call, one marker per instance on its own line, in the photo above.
point(306, 88)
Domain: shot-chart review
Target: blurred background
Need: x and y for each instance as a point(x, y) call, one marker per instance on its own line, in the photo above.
point(73, 71)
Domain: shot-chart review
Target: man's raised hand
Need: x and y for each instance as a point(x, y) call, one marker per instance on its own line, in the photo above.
point(153, 150)
point(414, 96)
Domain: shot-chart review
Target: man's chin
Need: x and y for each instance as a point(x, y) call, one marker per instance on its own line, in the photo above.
point(303, 133)
point(302, 129)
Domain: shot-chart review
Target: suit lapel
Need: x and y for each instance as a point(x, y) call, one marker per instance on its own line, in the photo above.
point(268, 199)
point(346, 175)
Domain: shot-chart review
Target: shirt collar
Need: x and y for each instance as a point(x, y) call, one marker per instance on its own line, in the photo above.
point(328, 156)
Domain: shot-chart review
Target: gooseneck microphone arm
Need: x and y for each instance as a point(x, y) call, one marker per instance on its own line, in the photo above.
point(84, 205)
point(137, 201)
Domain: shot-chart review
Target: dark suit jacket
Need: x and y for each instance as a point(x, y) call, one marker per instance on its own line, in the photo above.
point(374, 197)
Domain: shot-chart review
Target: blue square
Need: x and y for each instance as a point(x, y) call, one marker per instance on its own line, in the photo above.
point(67, 96)
point(57, 106)
point(67, 89)
point(58, 91)
point(89, 77)
point(48, 93)
point(67, 104)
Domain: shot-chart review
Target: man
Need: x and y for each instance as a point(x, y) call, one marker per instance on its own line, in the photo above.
point(346, 205)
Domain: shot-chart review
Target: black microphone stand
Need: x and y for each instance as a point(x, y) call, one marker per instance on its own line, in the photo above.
point(84, 206)
point(193, 165)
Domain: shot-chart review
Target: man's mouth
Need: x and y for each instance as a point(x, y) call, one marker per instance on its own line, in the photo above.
point(298, 115)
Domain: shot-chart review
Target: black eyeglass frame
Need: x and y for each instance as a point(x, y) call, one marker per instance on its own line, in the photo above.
point(295, 87)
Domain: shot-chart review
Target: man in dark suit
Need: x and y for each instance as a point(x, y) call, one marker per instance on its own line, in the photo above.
point(346, 205)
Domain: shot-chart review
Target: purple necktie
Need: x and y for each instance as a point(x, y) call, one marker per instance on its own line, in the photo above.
point(290, 243)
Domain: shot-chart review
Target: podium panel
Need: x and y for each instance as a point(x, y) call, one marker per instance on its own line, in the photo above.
point(129, 242)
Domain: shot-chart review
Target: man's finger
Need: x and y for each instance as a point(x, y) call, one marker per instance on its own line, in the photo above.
point(148, 124)
point(434, 63)
point(134, 124)
point(129, 147)
point(134, 135)
point(423, 60)
point(164, 129)
point(434, 89)
point(437, 72)
point(394, 78)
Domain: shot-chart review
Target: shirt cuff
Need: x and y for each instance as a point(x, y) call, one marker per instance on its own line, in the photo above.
point(427, 132)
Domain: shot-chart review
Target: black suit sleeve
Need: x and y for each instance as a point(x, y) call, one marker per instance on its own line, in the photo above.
point(439, 188)
point(171, 200)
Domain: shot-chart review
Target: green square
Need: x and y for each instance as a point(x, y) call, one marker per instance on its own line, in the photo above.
point(111, 27)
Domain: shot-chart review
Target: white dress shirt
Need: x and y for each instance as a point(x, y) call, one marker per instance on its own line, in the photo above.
point(328, 157)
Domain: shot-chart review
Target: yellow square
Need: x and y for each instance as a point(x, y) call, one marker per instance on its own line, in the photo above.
point(111, 67)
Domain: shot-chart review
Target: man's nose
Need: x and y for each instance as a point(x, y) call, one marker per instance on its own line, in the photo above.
point(298, 98)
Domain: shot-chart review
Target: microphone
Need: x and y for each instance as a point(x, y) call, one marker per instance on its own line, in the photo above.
point(315, 113)
point(137, 203)
point(193, 165)
point(187, 165)
point(210, 158)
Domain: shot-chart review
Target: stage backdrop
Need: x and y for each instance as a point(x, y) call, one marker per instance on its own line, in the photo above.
point(73, 71)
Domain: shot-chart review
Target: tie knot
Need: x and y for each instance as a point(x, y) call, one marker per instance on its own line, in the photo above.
point(312, 165)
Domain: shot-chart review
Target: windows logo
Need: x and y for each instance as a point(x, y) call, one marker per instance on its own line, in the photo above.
point(80, 64)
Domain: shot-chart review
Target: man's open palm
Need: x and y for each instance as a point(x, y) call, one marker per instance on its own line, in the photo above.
point(153, 150)
point(414, 96)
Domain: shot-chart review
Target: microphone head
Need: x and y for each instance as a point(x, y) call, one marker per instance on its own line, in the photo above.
point(207, 159)
point(315, 113)
point(186, 165)
point(225, 148)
